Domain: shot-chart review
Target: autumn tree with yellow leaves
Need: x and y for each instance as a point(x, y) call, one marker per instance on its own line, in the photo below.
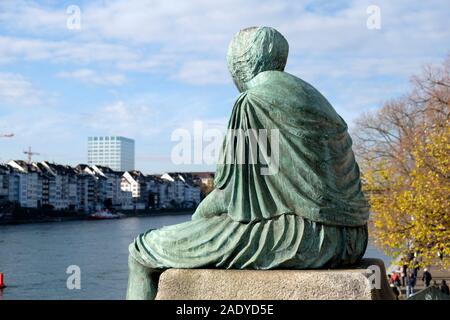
point(404, 150)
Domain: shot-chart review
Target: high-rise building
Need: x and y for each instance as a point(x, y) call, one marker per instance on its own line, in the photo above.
point(114, 152)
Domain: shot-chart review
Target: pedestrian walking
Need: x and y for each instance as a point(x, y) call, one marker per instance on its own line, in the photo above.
point(426, 277)
point(410, 283)
point(444, 288)
point(404, 273)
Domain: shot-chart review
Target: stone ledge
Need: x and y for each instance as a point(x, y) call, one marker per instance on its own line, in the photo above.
point(219, 284)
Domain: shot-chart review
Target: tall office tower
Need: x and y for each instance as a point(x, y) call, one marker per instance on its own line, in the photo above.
point(116, 153)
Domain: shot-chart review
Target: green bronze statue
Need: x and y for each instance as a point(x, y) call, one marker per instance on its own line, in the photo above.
point(306, 211)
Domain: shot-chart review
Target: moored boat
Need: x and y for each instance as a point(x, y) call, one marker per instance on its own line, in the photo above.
point(101, 215)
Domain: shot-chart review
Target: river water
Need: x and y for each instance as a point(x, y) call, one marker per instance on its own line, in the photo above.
point(34, 257)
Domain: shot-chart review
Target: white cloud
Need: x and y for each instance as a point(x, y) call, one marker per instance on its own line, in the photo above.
point(203, 72)
point(173, 37)
point(16, 90)
point(147, 116)
point(122, 118)
point(33, 17)
point(13, 49)
point(90, 76)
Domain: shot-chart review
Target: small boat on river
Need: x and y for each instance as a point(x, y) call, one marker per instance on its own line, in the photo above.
point(104, 214)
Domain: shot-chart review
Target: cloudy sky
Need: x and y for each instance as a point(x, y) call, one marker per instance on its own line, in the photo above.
point(145, 68)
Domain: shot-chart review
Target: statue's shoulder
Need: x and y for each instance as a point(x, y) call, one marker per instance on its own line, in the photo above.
point(284, 89)
point(270, 78)
point(282, 84)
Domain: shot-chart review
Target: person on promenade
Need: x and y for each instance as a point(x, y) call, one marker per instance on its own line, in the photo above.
point(394, 279)
point(426, 277)
point(394, 282)
point(404, 271)
point(410, 283)
point(396, 291)
point(397, 280)
point(444, 288)
point(416, 267)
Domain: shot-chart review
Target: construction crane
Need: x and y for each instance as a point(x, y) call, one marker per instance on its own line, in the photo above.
point(7, 135)
point(30, 154)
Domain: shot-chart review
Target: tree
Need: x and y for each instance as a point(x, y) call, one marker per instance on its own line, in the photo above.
point(404, 151)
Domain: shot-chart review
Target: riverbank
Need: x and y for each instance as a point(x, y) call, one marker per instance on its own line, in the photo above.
point(80, 217)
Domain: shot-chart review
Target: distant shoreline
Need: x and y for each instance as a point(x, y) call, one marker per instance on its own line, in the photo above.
point(86, 217)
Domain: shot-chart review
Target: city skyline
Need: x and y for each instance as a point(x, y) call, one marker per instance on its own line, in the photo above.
point(88, 188)
point(144, 69)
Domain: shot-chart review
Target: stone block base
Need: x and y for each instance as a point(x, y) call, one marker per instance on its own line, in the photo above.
point(367, 281)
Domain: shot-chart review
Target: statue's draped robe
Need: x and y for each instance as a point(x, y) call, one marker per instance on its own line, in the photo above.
point(302, 210)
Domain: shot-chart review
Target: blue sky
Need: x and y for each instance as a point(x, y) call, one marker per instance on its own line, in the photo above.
point(145, 68)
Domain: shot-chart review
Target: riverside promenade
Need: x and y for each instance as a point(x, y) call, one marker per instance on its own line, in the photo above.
point(437, 273)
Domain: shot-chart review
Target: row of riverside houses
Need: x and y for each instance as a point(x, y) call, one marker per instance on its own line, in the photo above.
point(90, 188)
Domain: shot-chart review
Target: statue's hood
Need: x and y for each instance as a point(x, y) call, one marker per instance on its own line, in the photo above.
point(254, 50)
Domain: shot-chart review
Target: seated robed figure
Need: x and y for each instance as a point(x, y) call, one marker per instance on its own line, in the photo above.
point(299, 206)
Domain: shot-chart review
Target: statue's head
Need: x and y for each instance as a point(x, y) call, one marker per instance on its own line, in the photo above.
point(254, 50)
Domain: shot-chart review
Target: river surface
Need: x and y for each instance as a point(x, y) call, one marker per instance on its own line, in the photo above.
point(34, 257)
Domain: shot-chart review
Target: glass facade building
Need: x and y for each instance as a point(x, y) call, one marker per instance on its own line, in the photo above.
point(114, 152)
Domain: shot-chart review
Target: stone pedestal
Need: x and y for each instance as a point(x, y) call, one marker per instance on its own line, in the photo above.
point(367, 281)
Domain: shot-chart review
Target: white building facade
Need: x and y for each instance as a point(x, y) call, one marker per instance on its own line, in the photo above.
point(84, 188)
point(115, 152)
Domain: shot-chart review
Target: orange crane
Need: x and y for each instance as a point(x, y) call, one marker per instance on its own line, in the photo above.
point(30, 154)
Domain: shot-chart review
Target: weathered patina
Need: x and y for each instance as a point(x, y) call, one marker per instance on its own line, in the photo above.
point(300, 208)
